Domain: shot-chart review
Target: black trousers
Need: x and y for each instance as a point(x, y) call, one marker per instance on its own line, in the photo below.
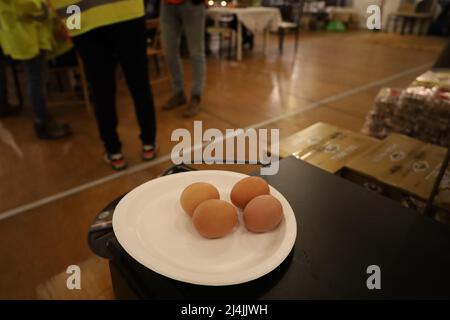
point(101, 50)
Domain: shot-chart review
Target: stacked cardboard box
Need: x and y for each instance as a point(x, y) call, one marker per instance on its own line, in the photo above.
point(433, 79)
point(401, 168)
point(326, 146)
point(398, 167)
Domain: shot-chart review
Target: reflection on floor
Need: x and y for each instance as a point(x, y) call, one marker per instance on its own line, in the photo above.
point(333, 78)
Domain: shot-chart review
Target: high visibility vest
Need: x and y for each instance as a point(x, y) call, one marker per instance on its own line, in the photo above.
point(99, 13)
point(22, 37)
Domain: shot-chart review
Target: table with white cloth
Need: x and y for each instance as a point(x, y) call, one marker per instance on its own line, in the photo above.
point(255, 19)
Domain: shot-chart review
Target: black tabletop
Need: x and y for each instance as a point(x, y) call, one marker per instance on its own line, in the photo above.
point(342, 230)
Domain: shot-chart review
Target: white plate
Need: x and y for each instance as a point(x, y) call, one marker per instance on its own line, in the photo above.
point(151, 226)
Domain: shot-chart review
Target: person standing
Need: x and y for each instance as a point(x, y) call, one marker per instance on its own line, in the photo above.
point(188, 17)
point(113, 32)
point(28, 34)
point(6, 109)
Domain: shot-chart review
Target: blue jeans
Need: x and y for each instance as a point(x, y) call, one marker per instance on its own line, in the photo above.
point(36, 70)
point(175, 19)
point(3, 82)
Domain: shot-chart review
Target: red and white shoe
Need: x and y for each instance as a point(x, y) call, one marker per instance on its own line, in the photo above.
point(149, 152)
point(116, 161)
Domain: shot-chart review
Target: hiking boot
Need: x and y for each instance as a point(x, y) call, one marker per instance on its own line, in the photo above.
point(177, 100)
point(193, 107)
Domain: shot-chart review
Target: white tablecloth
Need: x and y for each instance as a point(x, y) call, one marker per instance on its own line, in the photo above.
point(256, 19)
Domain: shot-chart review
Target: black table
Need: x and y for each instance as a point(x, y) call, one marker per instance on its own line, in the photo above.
point(342, 229)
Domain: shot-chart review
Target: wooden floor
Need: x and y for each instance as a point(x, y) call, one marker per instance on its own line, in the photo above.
point(333, 78)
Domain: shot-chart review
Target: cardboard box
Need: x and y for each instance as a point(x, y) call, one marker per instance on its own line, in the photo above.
point(399, 167)
point(431, 79)
point(307, 138)
point(326, 146)
point(443, 196)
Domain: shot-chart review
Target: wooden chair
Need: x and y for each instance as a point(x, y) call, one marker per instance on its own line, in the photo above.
point(77, 68)
point(223, 33)
point(222, 28)
point(154, 48)
point(293, 24)
point(410, 12)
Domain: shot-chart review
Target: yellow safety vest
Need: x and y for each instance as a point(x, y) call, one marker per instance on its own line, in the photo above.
point(98, 13)
point(23, 38)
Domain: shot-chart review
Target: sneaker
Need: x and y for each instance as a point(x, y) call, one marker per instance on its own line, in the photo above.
point(175, 101)
point(193, 107)
point(51, 130)
point(149, 152)
point(116, 160)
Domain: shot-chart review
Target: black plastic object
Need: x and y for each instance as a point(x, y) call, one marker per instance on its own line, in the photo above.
point(342, 230)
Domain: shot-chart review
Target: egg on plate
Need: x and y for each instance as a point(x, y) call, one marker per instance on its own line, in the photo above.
point(195, 194)
point(247, 189)
point(263, 213)
point(215, 218)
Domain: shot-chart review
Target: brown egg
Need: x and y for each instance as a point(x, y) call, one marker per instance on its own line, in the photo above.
point(214, 218)
point(195, 194)
point(247, 189)
point(263, 214)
